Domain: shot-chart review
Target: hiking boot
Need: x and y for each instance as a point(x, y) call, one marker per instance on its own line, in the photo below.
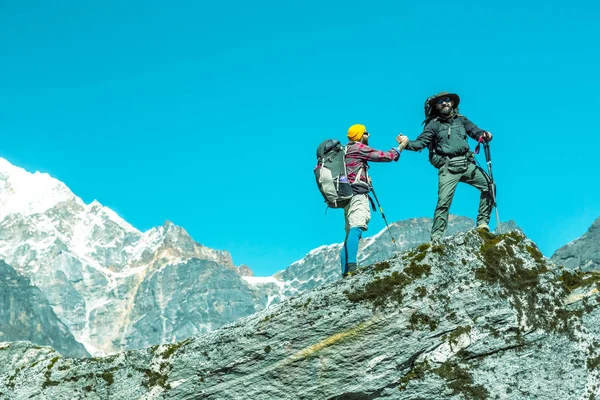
point(485, 227)
point(350, 269)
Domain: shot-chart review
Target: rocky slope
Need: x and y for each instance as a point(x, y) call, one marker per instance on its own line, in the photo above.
point(26, 315)
point(322, 265)
point(582, 253)
point(474, 316)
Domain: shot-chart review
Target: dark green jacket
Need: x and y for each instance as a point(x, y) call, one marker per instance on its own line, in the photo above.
point(446, 137)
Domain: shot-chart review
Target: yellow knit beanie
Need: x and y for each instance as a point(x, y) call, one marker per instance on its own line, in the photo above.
point(356, 132)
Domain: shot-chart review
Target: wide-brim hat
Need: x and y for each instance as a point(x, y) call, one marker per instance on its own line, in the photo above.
point(453, 96)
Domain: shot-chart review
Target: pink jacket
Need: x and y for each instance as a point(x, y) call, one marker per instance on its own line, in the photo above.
point(357, 156)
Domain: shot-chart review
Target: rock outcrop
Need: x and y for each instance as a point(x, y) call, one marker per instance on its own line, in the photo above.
point(473, 316)
point(26, 315)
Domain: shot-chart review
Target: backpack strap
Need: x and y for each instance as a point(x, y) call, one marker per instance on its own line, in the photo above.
point(372, 203)
point(345, 149)
point(358, 174)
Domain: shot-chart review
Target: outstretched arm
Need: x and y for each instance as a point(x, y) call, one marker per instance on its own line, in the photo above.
point(370, 154)
point(474, 131)
point(422, 141)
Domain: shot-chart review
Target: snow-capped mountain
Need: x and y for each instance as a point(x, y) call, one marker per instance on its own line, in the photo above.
point(91, 264)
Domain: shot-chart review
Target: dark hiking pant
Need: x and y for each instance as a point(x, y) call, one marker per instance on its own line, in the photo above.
point(447, 182)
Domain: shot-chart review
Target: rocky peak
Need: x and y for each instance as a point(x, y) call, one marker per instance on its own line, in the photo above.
point(582, 253)
point(474, 316)
point(244, 270)
point(29, 193)
point(171, 244)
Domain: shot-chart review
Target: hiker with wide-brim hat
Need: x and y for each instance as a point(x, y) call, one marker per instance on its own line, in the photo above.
point(453, 96)
point(445, 135)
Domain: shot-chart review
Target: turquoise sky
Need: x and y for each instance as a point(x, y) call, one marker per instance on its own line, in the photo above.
point(208, 114)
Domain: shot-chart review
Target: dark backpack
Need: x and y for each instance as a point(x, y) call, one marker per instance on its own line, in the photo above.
point(434, 158)
point(429, 114)
point(331, 174)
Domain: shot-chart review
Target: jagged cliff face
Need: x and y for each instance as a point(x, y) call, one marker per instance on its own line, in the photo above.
point(26, 315)
point(582, 253)
point(91, 264)
point(473, 316)
point(184, 299)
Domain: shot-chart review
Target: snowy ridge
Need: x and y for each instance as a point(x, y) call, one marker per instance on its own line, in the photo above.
point(261, 280)
point(26, 193)
point(111, 215)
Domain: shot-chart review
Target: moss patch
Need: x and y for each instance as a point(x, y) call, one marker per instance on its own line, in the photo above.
point(593, 364)
point(419, 257)
point(572, 280)
point(418, 320)
point(423, 247)
point(537, 304)
point(418, 372)
point(439, 249)
point(172, 348)
point(381, 266)
point(421, 291)
point(419, 253)
point(268, 318)
point(155, 379)
point(390, 287)
point(453, 336)
point(457, 378)
point(460, 381)
point(415, 271)
point(536, 254)
point(108, 377)
point(48, 374)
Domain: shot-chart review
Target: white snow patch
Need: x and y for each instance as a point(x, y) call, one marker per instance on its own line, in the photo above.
point(257, 280)
point(84, 337)
point(150, 240)
point(26, 193)
point(321, 248)
point(270, 299)
point(128, 271)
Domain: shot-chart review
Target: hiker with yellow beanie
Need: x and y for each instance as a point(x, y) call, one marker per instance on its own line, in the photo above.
point(357, 213)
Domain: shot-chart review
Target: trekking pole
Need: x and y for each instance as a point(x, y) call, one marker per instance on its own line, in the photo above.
point(488, 159)
point(384, 219)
